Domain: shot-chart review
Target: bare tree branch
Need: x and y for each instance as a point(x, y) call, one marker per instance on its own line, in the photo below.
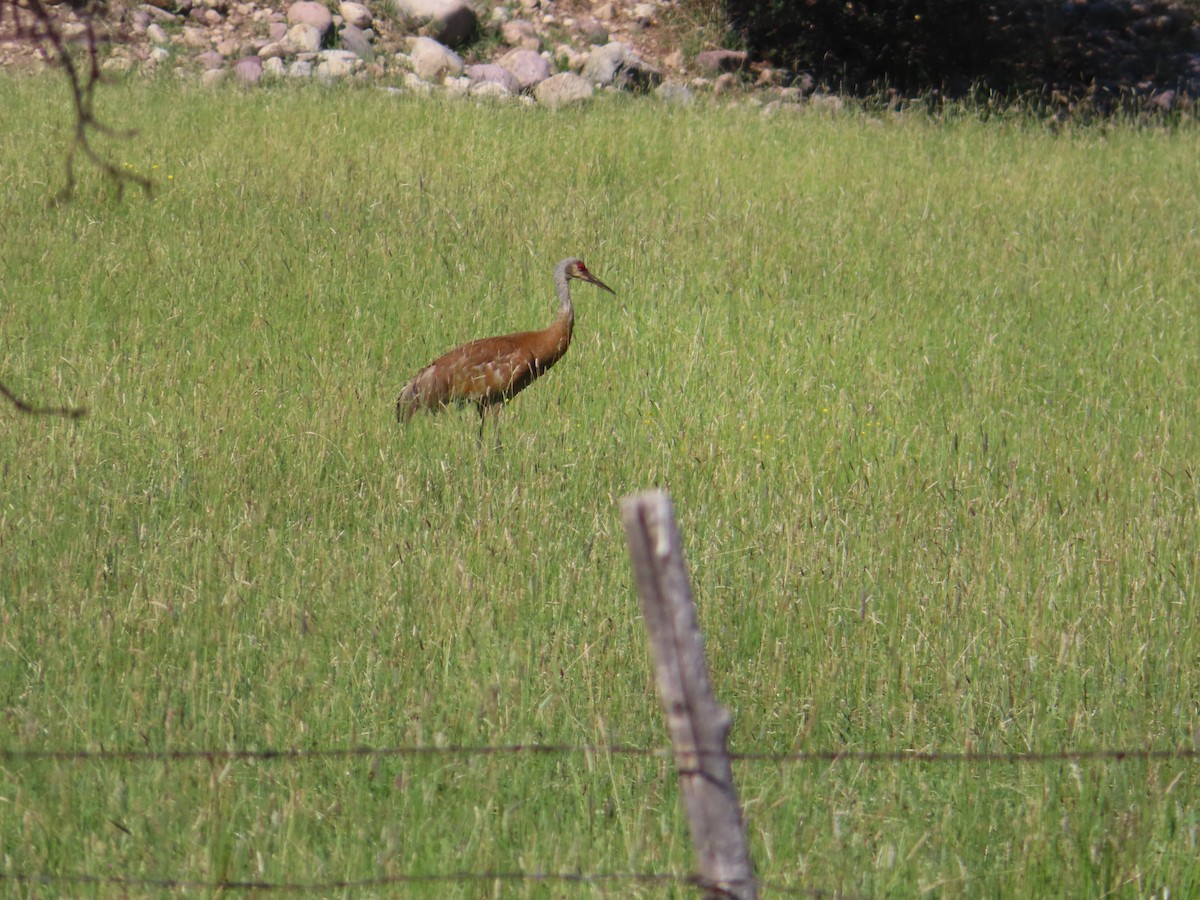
point(38, 24)
point(67, 412)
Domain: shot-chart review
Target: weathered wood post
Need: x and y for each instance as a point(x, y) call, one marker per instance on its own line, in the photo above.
point(698, 725)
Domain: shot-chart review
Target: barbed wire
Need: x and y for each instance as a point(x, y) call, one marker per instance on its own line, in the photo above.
point(598, 879)
point(966, 757)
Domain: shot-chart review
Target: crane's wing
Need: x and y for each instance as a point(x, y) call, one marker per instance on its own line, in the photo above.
point(482, 372)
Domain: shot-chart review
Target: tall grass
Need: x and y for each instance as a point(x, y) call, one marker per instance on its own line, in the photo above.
point(923, 393)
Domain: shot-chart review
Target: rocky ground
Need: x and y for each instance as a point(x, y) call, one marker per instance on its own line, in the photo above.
point(547, 51)
point(417, 45)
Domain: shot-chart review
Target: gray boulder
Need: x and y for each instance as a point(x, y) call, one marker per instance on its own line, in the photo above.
point(493, 90)
point(489, 73)
point(355, 14)
point(354, 39)
point(303, 39)
point(616, 65)
point(451, 22)
point(336, 64)
point(563, 89)
point(593, 32)
point(249, 70)
point(433, 61)
point(519, 33)
point(714, 62)
point(309, 12)
point(674, 92)
point(210, 59)
point(527, 67)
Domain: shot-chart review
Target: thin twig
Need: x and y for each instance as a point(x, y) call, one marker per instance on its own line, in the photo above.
point(45, 33)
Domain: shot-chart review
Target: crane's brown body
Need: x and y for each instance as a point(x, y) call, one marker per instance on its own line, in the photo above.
point(494, 370)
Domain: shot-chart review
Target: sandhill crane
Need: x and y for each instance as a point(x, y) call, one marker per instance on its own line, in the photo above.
point(494, 370)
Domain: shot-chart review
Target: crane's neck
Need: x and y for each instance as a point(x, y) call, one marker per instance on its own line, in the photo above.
point(566, 312)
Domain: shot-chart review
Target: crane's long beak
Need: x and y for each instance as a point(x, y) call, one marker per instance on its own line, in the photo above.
point(592, 279)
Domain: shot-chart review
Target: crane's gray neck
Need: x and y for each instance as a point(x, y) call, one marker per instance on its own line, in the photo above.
point(561, 282)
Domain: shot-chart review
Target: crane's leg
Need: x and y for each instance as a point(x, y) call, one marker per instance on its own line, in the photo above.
point(492, 412)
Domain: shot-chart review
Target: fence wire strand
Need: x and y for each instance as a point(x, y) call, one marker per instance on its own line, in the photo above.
point(595, 879)
point(1133, 754)
point(611, 880)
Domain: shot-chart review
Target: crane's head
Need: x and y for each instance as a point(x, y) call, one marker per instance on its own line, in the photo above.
point(574, 268)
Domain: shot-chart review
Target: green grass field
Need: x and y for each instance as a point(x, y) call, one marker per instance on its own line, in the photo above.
point(923, 392)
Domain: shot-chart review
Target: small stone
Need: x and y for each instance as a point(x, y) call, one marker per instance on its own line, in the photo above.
point(489, 73)
point(157, 36)
point(605, 12)
point(304, 38)
point(160, 54)
point(160, 15)
point(519, 33)
point(768, 78)
point(309, 12)
point(196, 37)
point(249, 70)
point(781, 107)
point(724, 83)
point(804, 82)
point(118, 65)
point(713, 62)
point(431, 60)
point(301, 68)
point(1163, 101)
point(456, 87)
point(827, 102)
point(615, 64)
point(568, 58)
point(491, 89)
point(212, 77)
point(643, 14)
point(355, 14)
point(274, 67)
point(211, 59)
point(273, 50)
point(229, 48)
point(354, 39)
point(674, 92)
point(528, 67)
point(340, 58)
point(414, 82)
point(563, 89)
point(593, 31)
point(212, 17)
point(451, 22)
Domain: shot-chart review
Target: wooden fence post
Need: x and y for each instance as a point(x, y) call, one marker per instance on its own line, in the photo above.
point(698, 725)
